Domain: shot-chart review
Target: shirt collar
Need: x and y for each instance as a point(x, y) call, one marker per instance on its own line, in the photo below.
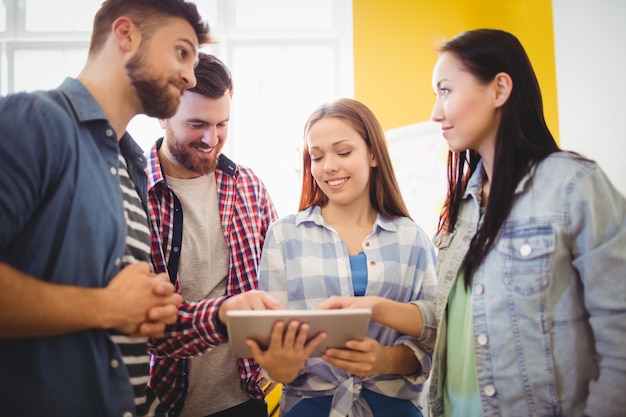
point(314, 214)
point(475, 183)
point(83, 103)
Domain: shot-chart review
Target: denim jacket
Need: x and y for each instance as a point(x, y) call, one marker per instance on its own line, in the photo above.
point(549, 300)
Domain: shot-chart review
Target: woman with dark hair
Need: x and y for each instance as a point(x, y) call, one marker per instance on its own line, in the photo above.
point(531, 295)
point(532, 250)
point(352, 235)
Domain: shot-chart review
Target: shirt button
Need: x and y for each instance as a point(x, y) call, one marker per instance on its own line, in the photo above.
point(482, 339)
point(128, 414)
point(367, 244)
point(114, 363)
point(372, 263)
point(479, 289)
point(490, 390)
point(113, 171)
point(109, 132)
point(525, 250)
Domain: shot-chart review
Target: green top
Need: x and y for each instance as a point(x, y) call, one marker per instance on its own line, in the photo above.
point(460, 388)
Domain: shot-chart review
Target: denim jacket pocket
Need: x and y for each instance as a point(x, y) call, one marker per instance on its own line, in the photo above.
point(526, 252)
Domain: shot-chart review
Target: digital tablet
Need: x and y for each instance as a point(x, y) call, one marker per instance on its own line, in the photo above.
point(340, 326)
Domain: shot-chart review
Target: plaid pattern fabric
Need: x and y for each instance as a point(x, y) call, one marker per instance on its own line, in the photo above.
point(246, 212)
point(305, 261)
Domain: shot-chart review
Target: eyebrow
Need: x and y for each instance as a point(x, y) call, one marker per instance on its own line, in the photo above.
point(333, 145)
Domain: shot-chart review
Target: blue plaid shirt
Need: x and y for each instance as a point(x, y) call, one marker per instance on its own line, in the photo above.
point(305, 261)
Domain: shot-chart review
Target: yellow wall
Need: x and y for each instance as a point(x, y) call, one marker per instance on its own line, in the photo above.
point(394, 54)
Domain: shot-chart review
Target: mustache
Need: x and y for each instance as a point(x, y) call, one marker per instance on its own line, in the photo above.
point(178, 84)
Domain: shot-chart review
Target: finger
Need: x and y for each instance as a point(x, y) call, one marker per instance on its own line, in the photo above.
point(360, 345)
point(152, 329)
point(270, 302)
point(315, 342)
point(162, 288)
point(276, 339)
point(302, 335)
point(167, 314)
point(257, 353)
point(290, 334)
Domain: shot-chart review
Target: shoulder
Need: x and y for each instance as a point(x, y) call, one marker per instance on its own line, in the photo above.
point(33, 107)
point(40, 123)
point(240, 173)
point(566, 164)
point(399, 224)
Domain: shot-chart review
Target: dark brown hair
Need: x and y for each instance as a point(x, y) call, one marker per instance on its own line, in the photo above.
point(148, 15)
point(213, 77)
point(522, 139)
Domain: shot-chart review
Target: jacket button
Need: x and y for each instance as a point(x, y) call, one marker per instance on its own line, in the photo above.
point(489, 390)
point(525, 250)
point(114, 363)
point(479, 289)
point(482, 339)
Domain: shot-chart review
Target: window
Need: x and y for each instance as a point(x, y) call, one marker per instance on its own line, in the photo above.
point(286, 56)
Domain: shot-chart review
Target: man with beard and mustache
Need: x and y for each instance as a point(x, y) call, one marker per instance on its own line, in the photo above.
point(79, 299)
point(212, 256)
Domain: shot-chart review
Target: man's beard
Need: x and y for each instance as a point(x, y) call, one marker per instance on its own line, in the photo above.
point(156, 100)
point(185, 156)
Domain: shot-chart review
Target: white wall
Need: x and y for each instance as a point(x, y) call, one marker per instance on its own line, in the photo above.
point(590, 38)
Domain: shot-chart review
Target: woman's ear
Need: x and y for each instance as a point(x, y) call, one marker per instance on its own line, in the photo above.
point(504, 86)
point(373, 161)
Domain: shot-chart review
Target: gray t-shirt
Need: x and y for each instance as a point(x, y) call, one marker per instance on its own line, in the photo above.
point(214, 383)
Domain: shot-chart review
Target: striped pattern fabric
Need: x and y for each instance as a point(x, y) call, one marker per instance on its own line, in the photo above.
point(246, 211)
point(135, 349)
point(305, 261)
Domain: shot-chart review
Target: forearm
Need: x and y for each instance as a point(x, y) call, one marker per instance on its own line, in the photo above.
point(401, 361)
point(404, 317)
point(35, 308)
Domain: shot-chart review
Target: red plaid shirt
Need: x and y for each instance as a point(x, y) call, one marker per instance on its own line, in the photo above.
point(246, 211)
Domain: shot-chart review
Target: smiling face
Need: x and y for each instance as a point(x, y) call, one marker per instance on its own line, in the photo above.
point(466, 109)
point(340, 161)
point(162, 68)
point(195, 135)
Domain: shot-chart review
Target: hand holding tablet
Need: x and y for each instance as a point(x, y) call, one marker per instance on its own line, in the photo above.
point(339, 325)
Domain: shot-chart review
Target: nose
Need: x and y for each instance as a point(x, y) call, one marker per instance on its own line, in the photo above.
point(330, 164)
point(210, 136)
point(437, 114)
point(188, 76)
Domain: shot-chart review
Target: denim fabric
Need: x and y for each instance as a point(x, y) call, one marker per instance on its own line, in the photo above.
point(549, 300)
point(62, 221)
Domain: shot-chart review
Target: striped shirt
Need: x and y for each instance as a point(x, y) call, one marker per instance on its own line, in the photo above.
point(135, 349)
point(305, 261)
point(246, 211)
